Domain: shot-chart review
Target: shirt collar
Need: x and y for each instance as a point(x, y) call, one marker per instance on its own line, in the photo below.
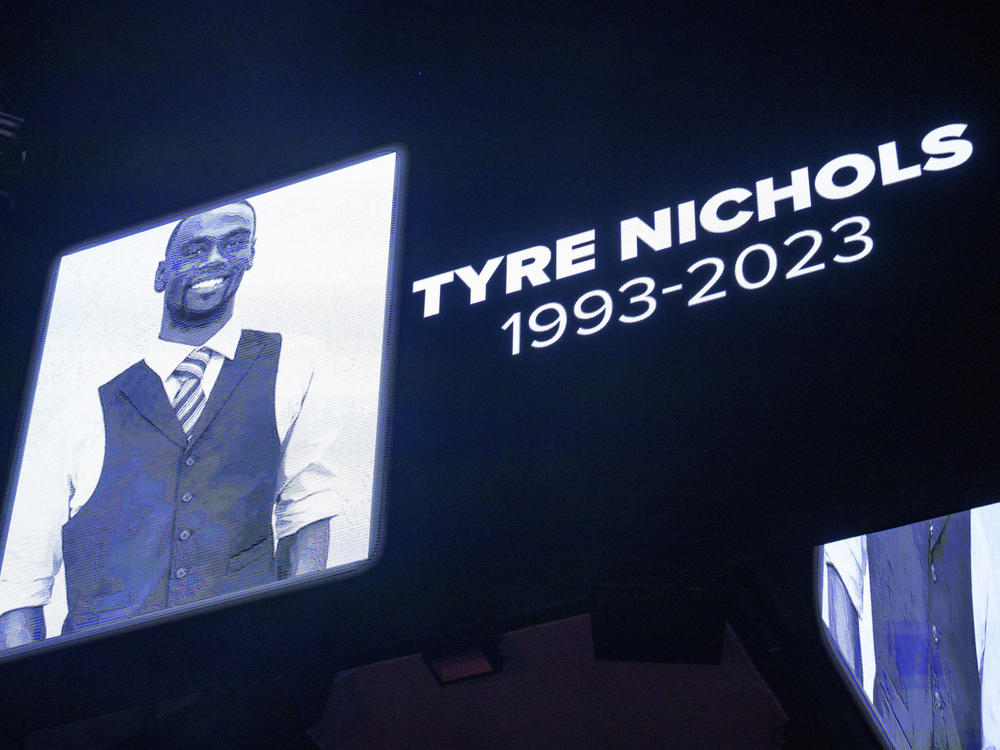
point(164, 356)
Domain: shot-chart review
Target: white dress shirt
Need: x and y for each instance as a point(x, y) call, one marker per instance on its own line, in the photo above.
point(306, 408)
point(850, 558)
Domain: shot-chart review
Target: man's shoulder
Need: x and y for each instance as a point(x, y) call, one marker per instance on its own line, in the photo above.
point(302, 357)
point(134, 372)
point(298, 356)
point(254, 342)
point(82, 418)
point(292, 344)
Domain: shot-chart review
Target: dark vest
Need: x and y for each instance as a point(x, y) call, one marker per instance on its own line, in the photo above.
point(174, 521)
point(927, 687)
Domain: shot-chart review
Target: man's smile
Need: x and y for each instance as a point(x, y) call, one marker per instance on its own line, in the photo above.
point(209, 284)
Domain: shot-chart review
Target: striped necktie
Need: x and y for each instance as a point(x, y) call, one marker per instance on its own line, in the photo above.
point(189, 402)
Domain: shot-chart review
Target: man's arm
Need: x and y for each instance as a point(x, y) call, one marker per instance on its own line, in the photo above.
point(985, 559)
point(311, 403)
point(62, 464)
point(21, 626)
point(305, 550)
point(844, 621)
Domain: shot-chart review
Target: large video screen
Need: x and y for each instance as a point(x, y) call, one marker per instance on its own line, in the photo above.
point(911, 616)
point(206, 422)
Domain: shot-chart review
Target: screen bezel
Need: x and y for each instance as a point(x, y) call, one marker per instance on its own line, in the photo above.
point(380, 474)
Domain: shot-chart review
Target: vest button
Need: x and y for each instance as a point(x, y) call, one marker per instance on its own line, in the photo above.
point(187, 497)
point(190, 461)
point(938, 702)
point(181, 572)
point(184, 535)
point(935, 634)
point(933, 573)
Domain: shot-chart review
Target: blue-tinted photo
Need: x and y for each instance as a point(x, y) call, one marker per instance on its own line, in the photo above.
point(914, 613)
point(205, 416)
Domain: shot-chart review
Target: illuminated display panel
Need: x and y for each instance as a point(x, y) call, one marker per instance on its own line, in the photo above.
point(908, 616)
point(206, 420)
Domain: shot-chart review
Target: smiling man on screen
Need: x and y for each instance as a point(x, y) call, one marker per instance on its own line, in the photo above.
point(178, 474)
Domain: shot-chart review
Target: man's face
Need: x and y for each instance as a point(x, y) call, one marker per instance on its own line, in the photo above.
point(205, 262)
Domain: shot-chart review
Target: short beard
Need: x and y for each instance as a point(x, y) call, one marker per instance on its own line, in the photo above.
point(184, 317)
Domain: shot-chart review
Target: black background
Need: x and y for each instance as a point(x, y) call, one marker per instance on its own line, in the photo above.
point(700, 441)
